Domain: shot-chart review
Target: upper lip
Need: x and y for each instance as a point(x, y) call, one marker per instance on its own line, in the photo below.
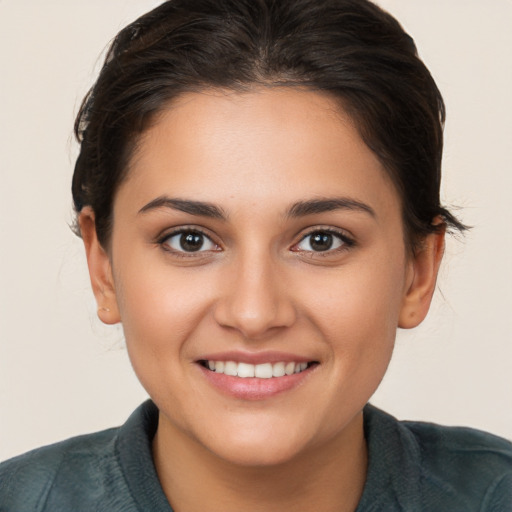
point(256, 357)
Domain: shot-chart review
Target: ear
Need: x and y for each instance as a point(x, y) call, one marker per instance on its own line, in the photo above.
point(100, 269)
point(421, 280)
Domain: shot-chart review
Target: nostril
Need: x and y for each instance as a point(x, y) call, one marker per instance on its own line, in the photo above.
point(254, 317)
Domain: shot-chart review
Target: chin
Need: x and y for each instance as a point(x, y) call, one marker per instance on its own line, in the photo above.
point(257, 441)
point(258, 454)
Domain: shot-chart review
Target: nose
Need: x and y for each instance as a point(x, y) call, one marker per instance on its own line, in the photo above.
point(254, 298)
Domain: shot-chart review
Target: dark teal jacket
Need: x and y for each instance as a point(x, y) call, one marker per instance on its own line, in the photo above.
point(413, 467)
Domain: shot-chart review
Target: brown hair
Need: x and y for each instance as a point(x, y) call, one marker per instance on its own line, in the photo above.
point(351, 49)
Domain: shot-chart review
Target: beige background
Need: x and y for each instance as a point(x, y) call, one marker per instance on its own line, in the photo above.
point(62, 373)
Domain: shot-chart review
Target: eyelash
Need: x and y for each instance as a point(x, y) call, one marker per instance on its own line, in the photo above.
point(163, 241)
point(346, 242)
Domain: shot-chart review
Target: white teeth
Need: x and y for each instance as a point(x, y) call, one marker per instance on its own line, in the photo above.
point(230, 368)
point(245, 370)
point(261, 371)
point(278, 370)
point(290, 368)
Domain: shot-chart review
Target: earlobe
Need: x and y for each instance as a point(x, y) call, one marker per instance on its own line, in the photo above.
point(421, 282)
point(100, 269)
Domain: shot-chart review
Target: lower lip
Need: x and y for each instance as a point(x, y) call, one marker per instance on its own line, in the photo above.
point(253, 388)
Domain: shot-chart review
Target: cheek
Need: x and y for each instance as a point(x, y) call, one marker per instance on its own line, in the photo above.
point(358, 317)
point(160, 307)
point(160, 311)
point(364, 298)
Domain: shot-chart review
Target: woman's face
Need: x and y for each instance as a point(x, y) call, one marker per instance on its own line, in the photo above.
point(256, 232)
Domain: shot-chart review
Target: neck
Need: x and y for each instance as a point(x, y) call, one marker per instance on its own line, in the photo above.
point(325, 478)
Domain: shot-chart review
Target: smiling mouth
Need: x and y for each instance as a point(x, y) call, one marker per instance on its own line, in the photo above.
point(260, 371)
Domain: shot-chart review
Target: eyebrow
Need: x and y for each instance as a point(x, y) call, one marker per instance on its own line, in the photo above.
point(298, 209)
point(322, 205)
point(198, 208)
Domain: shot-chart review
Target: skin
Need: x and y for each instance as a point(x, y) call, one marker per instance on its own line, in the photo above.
point(258, 286)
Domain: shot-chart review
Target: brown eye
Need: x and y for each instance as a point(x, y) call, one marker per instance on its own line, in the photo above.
point(323, 241)
point(190, 241)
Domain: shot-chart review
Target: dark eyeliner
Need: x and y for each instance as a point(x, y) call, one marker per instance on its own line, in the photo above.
point(348, 242)
point(166, 235)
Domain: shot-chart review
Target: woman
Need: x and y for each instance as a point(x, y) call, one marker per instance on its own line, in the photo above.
point(258, 194)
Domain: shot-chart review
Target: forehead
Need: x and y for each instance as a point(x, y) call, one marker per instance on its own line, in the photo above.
point(266, 146)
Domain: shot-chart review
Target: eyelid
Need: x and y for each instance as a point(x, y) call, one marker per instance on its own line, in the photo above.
point(166, 235)
point(347, 240)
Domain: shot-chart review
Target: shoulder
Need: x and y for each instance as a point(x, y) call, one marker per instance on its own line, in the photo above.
point(466, 443)
point(28, 480)
point(456, 467)
point(465, 462)
point(107, 471)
